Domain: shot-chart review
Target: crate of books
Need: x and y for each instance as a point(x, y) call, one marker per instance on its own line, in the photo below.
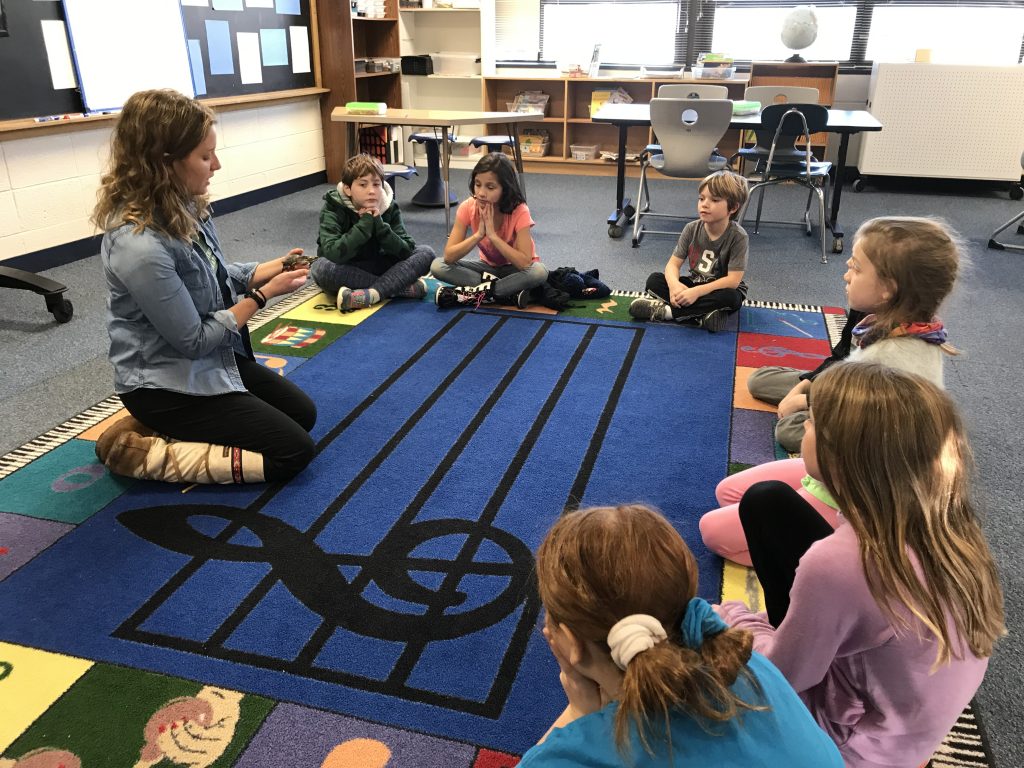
point(534, 142)
point(529, 101)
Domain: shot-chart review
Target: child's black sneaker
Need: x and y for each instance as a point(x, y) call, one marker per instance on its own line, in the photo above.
point(649, 309)
point(714, 321)
point(520, 299)
point(449, 296)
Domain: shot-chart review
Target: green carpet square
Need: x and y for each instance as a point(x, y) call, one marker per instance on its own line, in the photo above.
point(68, 485)
point(610, 308)
point(296, 337)
point(111, 714)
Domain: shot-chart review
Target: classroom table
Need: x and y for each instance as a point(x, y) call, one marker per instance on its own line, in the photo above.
point(444, 119)
point(845, 122)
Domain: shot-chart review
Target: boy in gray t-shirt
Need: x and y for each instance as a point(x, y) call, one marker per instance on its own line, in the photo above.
point(714, 251)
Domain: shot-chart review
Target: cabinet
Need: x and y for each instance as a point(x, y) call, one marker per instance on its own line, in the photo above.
point(568, 116)
point(455, 83)
point(343, 38)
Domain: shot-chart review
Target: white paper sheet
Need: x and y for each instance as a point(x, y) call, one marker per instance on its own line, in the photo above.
point(260, 3)
point(249, 65)
point(203, 3)
point(55, 39)
point(299, 38)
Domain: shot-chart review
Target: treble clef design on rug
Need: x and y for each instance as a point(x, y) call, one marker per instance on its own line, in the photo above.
point(314, 578)
point(777, 351)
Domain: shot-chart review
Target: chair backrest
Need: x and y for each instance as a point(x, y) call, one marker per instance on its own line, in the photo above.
point(783, 123)
point(692, 91)
point(781, 94)
point(767, 95)
point(688, 130)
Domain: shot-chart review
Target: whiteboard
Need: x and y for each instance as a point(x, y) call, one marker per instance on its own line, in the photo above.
point(124, 46)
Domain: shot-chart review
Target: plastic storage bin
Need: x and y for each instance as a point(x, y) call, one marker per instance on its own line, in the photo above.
point(535, 148)
point(583, 151)
point(447, 63)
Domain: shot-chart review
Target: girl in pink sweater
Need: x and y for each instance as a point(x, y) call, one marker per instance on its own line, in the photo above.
point(885, 625)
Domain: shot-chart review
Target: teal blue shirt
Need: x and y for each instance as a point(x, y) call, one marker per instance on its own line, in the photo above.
point(784, 735)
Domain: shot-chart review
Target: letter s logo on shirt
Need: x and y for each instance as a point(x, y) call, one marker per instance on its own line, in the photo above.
point(707, 262)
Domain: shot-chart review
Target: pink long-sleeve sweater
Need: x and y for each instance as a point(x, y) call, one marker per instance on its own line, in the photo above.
point(869, 684)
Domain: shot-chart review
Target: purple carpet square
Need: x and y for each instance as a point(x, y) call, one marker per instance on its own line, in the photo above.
point(753, 437)
point(23, 537)
point(298, 736)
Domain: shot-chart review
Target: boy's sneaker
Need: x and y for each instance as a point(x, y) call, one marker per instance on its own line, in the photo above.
point(415, 291)
point(714, 321)
point(520, 299)
point(649, 309)
point(361, 298)
point(449, 296)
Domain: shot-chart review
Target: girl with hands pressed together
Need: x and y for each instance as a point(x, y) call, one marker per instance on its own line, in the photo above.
point(496, 221)
point(652, 676)
point(202, 409)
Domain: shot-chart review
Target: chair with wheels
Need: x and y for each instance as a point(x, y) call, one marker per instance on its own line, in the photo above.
point(766, 95)
point(789, 123)
point(431, 194)
point(688, 130)
point(992, 242)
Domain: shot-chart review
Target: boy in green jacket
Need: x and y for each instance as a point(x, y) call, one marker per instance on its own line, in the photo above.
point(368, 255)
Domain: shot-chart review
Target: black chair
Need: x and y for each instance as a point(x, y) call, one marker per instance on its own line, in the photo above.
point(767, 95)
point(787, 124)
point(992, 242)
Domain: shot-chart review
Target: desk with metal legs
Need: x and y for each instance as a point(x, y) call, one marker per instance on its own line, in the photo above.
point(845, 122)
point(442, 119)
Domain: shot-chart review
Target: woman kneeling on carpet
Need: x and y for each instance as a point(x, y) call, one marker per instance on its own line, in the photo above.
point(202, 409)
point(652, 675)
point(885, 625)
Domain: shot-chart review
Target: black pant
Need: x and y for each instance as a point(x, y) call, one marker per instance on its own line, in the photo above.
point(780, 527)
point(273, 418)
point(724, 298)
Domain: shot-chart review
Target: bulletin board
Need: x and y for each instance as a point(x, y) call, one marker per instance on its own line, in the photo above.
point(240, 47)
point(27, 83)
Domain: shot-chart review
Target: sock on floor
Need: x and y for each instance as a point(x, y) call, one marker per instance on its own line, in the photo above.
point(358, 298)
point(666, 312)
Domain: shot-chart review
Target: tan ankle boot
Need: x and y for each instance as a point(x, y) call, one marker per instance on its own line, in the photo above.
point(153, 458)
point(127, 424)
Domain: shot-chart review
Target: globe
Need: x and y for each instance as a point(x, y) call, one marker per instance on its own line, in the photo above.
point(799, 29)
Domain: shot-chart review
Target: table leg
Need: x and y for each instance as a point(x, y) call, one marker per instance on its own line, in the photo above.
point(446, 152)
point(837, 192)
point(517, 155)
point(619, 218)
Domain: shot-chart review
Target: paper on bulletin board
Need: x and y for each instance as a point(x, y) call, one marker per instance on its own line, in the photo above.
point(274, 47)
point(260, 3)
point(199, 3)
point(299, 38)
point(249, 66)
point(55, 40)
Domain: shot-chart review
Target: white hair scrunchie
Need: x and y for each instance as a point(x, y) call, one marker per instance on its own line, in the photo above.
point(632, 635)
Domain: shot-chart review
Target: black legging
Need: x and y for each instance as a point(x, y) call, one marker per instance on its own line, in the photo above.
point(780, 527)
point(273, 418)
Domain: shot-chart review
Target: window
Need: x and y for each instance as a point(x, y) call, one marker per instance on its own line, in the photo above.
point(672, 33)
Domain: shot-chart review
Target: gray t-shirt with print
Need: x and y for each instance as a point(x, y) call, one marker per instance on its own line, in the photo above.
point(712, 259)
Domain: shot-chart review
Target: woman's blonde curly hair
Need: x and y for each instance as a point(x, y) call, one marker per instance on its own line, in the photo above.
point(140, 187)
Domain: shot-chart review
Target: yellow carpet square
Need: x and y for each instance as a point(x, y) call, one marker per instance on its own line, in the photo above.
point(323, 309)
point(30, 681)
point(740, 583)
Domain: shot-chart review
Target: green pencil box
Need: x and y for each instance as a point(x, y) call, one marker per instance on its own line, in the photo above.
point(366, 107)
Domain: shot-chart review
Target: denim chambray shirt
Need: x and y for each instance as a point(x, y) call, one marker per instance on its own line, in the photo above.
point(168, 326)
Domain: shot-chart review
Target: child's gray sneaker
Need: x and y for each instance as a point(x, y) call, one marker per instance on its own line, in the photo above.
point(649, 309)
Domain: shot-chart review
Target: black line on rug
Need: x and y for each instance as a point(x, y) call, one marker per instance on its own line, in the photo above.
point(503, 680)
point(134, 621)
point(579, 486)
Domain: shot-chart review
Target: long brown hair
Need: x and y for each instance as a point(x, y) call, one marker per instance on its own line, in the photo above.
point(920, 258)
point(599, 565)
point(155, 128)
point(892, 450)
